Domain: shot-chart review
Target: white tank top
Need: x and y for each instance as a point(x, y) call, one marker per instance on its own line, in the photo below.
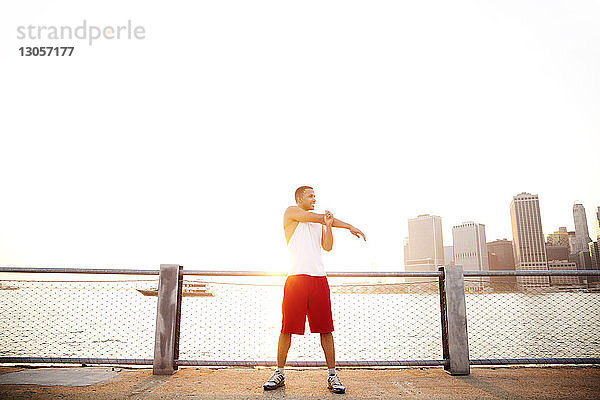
point(305, 250)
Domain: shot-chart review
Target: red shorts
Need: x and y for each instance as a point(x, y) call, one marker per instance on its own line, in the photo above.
point(305, 295)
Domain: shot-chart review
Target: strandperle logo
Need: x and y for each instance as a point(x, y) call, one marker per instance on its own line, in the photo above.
point(89, 33)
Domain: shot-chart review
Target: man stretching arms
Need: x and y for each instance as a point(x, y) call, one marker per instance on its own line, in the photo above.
point(306, 291)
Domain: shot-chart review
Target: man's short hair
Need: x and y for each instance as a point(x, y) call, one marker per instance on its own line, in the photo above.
point(300, 193)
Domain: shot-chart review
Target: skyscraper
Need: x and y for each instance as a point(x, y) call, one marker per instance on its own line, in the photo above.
point(597, 222)
point(594, 248)
point(595, 256)
point(501, 258)
point(405, 250)
point(528, 239)
point(562, 265)
point(572, 242)
point(557, 253)
point(580, 249)
point(559, 237)
point(558, 245)
point(470, 248)
point(448, 255)
point(582, 235)
point(425, 243)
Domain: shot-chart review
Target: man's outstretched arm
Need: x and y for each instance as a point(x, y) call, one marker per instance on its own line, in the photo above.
point(295, 213)
point(355, 231)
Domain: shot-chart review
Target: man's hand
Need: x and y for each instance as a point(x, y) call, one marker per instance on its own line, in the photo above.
point(328, 218)
point(327, 238)
point(356, 232)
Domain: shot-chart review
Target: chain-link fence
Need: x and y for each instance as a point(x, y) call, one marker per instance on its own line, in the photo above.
point(381, 319)
point(229, 318)
point(77, 319)
point(508, 320)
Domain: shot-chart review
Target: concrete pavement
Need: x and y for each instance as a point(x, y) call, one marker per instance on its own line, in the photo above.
point(561, 382)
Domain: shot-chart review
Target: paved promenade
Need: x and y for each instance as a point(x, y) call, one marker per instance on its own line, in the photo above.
point(246, 383)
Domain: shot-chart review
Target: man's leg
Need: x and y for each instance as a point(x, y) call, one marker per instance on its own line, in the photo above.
point(293, 308)
point(278, 378)
point(285, 339)
point(320, 320)
point(328, 349)
point(333, 381)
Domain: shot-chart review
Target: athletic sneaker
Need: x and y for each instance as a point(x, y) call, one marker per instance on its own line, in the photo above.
point(334, 384)
point(276, 380)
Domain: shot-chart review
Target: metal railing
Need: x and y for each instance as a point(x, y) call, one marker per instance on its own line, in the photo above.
point(444, 318)
point(525, 322)
point(241, 324)
point(62, 320)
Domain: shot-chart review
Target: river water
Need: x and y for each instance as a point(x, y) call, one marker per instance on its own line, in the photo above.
point(242, 321)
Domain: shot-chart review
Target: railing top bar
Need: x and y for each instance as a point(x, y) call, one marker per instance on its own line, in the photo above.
point(419, 274)
point(80, 271)
point(329, 274)
point(212, 272)
point(532, 273)
point(424, 274)
point(231, 273)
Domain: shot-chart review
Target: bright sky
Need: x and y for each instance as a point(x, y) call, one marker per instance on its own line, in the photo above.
point(186, 147)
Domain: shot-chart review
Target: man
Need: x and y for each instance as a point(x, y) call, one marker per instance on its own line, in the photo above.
point(306, 290)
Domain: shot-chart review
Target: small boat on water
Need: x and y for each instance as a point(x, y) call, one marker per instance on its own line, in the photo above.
point(189, 290)
point(7, 287)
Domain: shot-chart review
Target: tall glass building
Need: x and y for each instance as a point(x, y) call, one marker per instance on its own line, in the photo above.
point(528, 239)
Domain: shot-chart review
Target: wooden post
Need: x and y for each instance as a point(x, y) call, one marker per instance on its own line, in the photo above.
point(455, 340)
point(165, 340)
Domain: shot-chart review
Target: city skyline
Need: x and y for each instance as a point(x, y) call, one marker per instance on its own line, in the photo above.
point(558, 230)
point(578, 217)
point(531, 249)
point(569, 224)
